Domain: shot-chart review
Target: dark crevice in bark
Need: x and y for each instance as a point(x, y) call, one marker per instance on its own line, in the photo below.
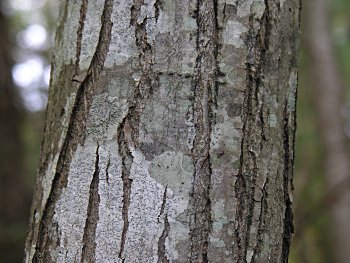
point(162, 208)
point(83, 10)
point(128, 130)
point(262, 222)
point(75, 134)
point(89, 244)
point(158, 5)
point(107, 169)
point(127, 160)
point(288, 226)
point(162, 258)
point(205, 87)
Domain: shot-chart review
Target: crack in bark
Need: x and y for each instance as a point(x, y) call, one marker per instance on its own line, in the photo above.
point(128, 129)
point(83, 11)
point(127, 160)
point(158, 5)
point(162, 258)
point(75, 134)
point(163, 204)
point(92, 217)
point(262, 222)
point(205, 90)
point(107, 168)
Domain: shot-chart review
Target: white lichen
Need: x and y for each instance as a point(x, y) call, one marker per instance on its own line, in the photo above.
point(123, 45)
point(232, 33)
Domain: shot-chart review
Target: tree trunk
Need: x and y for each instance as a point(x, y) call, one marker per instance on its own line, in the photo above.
point(14, 204)
point(169, 133)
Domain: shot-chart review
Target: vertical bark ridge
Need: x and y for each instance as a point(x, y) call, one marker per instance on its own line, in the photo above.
point(83, 10)
point(253, 121)
point(89, 243)
point(162, 258)
point(75, 134)
point(128, 130)
point(205, 90)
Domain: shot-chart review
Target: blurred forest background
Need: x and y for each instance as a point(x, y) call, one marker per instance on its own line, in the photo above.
point(322, 175)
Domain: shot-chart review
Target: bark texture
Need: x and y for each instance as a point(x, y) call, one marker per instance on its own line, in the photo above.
point(169, 133)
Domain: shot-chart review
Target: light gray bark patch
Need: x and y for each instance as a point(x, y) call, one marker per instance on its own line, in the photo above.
point(162, 258)
point(83, 10)
point(75, 134)
point(89, 237)
point(205, 90)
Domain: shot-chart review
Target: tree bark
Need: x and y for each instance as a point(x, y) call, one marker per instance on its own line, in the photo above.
point(169, 133)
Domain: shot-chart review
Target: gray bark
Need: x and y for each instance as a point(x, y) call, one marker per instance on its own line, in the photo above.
point(169, 133)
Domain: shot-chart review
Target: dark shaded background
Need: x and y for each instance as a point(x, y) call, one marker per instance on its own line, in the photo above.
point(322, 176)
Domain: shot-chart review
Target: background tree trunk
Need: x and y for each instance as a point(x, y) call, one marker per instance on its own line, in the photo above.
point(329, 100)
point(14, 195)
point(169, 133)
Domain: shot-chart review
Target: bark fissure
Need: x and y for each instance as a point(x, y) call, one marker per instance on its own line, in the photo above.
point(288, 226)
point(75, 134)
point(158, 5)
point(83, 10)
point(107, 169)
point(127, 160)
point(92, 217)
point(128, 130)
point(205, 90)
point(262, 222)
point(162, 258)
